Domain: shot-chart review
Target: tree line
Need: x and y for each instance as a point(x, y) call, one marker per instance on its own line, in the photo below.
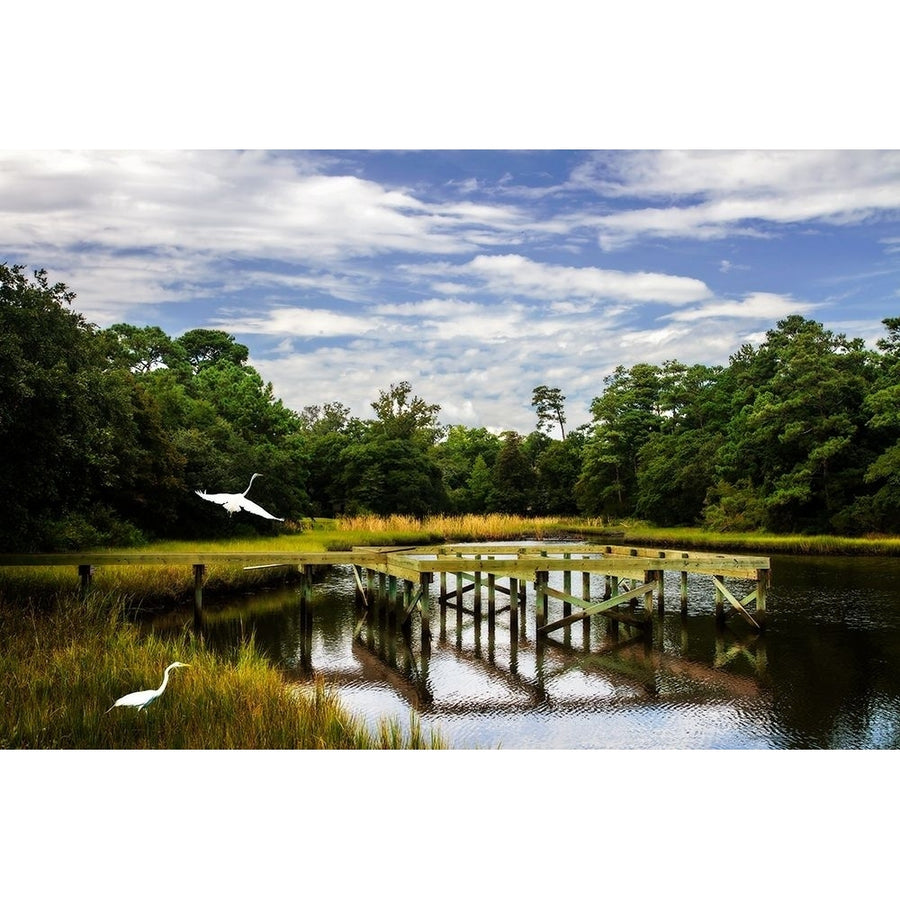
point(106, 433)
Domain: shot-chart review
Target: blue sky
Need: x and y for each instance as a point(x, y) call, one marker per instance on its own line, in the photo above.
point(475, 275)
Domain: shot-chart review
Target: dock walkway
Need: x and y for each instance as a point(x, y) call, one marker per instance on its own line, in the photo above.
point(404, 575)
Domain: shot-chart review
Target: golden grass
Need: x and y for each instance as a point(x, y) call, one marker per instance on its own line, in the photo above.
point(60, 672)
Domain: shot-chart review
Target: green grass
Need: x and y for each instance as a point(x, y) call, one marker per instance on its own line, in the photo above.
point(61, 670)
point(762, 542)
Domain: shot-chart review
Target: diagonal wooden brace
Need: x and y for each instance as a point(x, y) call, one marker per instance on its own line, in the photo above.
point(593, 608)
point(738, 605)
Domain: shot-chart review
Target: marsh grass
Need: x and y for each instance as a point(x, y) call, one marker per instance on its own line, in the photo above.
point(61, 670)
point(763, 542)
point(396, 529)
point(149, 587)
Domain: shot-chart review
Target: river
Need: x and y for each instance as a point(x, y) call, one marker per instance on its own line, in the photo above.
point(824, 675)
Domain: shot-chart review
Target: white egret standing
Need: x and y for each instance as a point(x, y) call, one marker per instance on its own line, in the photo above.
point(142, 699)
point(237, 502)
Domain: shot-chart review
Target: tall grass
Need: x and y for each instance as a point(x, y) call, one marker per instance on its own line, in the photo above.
point(61, 670)
point(397, 529)
point(763, 542)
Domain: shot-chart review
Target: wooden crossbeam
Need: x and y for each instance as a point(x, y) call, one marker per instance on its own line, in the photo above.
point(737, 604)
point(592, 609)
point(360, 585)
point(415, 602)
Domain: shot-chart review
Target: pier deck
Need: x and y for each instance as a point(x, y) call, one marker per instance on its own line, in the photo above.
point(404, 574)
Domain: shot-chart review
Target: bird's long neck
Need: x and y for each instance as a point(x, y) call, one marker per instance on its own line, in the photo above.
point(165, 681)
point(251, 483)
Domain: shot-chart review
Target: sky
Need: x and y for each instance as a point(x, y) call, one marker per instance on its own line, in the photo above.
point(475, 275)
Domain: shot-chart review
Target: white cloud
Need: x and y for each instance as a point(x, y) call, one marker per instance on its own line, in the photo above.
point(713, 194)
point(758, 305)
point(512, 275)
point(241, 203)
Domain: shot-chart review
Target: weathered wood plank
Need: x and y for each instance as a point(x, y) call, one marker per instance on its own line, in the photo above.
point(734, 602)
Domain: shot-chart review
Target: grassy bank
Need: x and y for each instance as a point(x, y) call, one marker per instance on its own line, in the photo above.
point(761, 542)
point(61, 670)
point(156, 587)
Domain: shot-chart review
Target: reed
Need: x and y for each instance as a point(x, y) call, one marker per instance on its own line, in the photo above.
point(61, 670)
point(437, 529)
point(763, 542)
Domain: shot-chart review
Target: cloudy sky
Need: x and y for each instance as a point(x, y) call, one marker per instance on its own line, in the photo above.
point(475, 275)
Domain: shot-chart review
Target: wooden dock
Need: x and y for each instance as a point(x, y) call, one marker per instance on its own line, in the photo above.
point(632, 577)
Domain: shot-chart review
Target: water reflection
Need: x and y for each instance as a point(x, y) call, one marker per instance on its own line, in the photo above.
point(487, 680)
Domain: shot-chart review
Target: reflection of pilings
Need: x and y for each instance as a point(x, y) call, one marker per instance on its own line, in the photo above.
point(511, 677)
point(388, 617)
point(306, 619)
point(638, 662)
point(199, 572)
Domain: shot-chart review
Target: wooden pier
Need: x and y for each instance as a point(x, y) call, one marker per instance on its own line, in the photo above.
point(632, 578)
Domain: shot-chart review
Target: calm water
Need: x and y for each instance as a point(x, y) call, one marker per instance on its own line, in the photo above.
point(826, 673)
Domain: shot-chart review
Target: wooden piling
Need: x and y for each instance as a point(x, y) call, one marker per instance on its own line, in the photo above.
point(199, 572)
point(85, 574)
point(425, 609)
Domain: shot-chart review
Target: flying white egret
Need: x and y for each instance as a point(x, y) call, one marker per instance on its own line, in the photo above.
point(142, 699)
point(237, 502)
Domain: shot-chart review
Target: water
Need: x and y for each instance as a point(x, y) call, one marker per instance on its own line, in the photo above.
point(825, 674)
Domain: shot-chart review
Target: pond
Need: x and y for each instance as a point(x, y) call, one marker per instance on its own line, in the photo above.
point(824, 674)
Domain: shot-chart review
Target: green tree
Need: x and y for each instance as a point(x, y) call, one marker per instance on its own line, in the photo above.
point(69, 423)
point(512, 477)
point(798, 435)
point(625, 415)
point(881, 510)
point(328, 431)
point(556, 472)
point(457, 455)
point(549, 403)
point(202, 347)
point(403, 415)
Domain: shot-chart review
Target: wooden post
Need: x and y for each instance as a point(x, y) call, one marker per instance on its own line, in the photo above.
point(513, 608)
point(476, 606)
point(612, 625)
point(199, 572)
point(684, 594)
point(492, 597)
point(649, 578)
point(586, 595)
point(720, 604)
point(425, 610)
point(85, 573)
point(392, 597)
point(762, 583)
point(540, 598)
point(513, 627)
point(661, 591)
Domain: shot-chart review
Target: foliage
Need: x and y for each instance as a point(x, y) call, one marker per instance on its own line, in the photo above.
point(107, 433)
point(549, 405)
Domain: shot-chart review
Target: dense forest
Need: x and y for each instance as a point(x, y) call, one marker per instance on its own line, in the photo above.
point(107, 433)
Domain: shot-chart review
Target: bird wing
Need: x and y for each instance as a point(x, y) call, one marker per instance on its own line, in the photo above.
point(256, 509)
point(221, 499)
